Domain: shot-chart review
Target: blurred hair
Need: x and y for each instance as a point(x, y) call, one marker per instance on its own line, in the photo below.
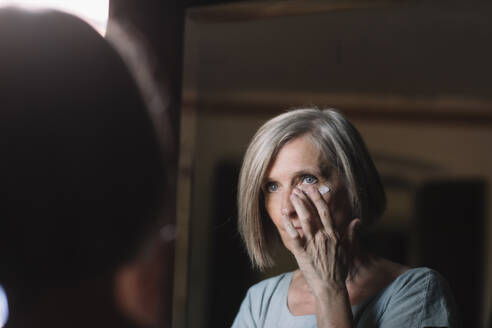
point(340, 147)
point(81, 170)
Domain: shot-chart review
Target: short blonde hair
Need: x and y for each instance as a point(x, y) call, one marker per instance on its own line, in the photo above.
point(340, 146)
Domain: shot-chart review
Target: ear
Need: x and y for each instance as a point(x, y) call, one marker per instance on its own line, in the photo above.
point(352, 229)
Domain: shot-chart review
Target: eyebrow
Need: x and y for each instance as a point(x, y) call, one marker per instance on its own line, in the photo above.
point(311, 171)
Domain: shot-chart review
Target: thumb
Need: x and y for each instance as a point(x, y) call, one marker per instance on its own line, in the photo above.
point(352, 229)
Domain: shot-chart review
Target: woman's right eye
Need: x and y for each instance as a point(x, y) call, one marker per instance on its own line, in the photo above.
point(271, 187)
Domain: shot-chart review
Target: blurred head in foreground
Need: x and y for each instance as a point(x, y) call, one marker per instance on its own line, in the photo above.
point(81, 168)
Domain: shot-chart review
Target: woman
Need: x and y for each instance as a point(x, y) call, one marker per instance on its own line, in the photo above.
point(308, 178)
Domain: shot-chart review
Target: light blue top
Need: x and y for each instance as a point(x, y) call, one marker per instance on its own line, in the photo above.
point(418, 298)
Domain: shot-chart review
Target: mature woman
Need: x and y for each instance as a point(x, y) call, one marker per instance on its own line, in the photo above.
point(308, 181)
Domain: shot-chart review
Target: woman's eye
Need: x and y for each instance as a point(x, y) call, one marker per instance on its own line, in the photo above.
point(309, 179)
point(271, 187)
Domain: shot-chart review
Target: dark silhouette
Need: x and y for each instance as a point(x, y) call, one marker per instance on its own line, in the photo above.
point(81, 171)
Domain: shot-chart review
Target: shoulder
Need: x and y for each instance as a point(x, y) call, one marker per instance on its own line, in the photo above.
point(261, 299)
point(420, 283)
point(416, 278)
point(422, 295)
point(271, 285)
point(265, 294)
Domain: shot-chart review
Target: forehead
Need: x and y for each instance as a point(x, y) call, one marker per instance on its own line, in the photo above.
point(299, 154)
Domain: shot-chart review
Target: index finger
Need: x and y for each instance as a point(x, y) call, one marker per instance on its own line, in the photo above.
point(303, 213)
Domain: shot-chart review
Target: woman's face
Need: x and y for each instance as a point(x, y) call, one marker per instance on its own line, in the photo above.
point(297, 165)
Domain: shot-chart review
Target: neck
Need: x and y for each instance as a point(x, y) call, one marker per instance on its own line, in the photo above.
point(369, 277)
point(89, 304)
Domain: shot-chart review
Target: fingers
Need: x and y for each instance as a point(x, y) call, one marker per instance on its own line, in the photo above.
point(292, 232)
point(300, 202)
point(323, 210)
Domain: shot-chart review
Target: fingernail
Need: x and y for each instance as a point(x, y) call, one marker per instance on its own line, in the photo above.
point(290, 230)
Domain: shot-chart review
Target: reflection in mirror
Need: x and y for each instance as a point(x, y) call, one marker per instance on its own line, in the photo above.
point(415, 81)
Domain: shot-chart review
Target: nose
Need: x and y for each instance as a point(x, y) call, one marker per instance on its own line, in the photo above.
point(287, 207)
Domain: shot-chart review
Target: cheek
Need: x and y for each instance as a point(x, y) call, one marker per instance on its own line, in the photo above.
point(270, 210)
point(340, 208)
point(267, 204)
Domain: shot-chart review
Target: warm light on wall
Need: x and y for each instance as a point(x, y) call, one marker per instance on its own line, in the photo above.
point(94, 12)
point(4, 308)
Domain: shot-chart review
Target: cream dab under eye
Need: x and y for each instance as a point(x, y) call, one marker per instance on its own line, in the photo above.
point(323, 189)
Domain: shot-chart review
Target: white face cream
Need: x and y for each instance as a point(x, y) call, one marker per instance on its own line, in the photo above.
point(323, 189)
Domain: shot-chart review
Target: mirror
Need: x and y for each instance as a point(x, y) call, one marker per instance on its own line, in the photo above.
point(413, 77)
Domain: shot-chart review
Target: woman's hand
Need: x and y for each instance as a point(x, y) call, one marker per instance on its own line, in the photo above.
point(321, 252)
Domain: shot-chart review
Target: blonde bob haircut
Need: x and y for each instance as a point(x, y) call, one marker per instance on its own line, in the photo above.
point(340, 147)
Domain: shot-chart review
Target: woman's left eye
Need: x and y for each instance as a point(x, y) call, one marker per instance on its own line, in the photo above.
point(309, 179)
